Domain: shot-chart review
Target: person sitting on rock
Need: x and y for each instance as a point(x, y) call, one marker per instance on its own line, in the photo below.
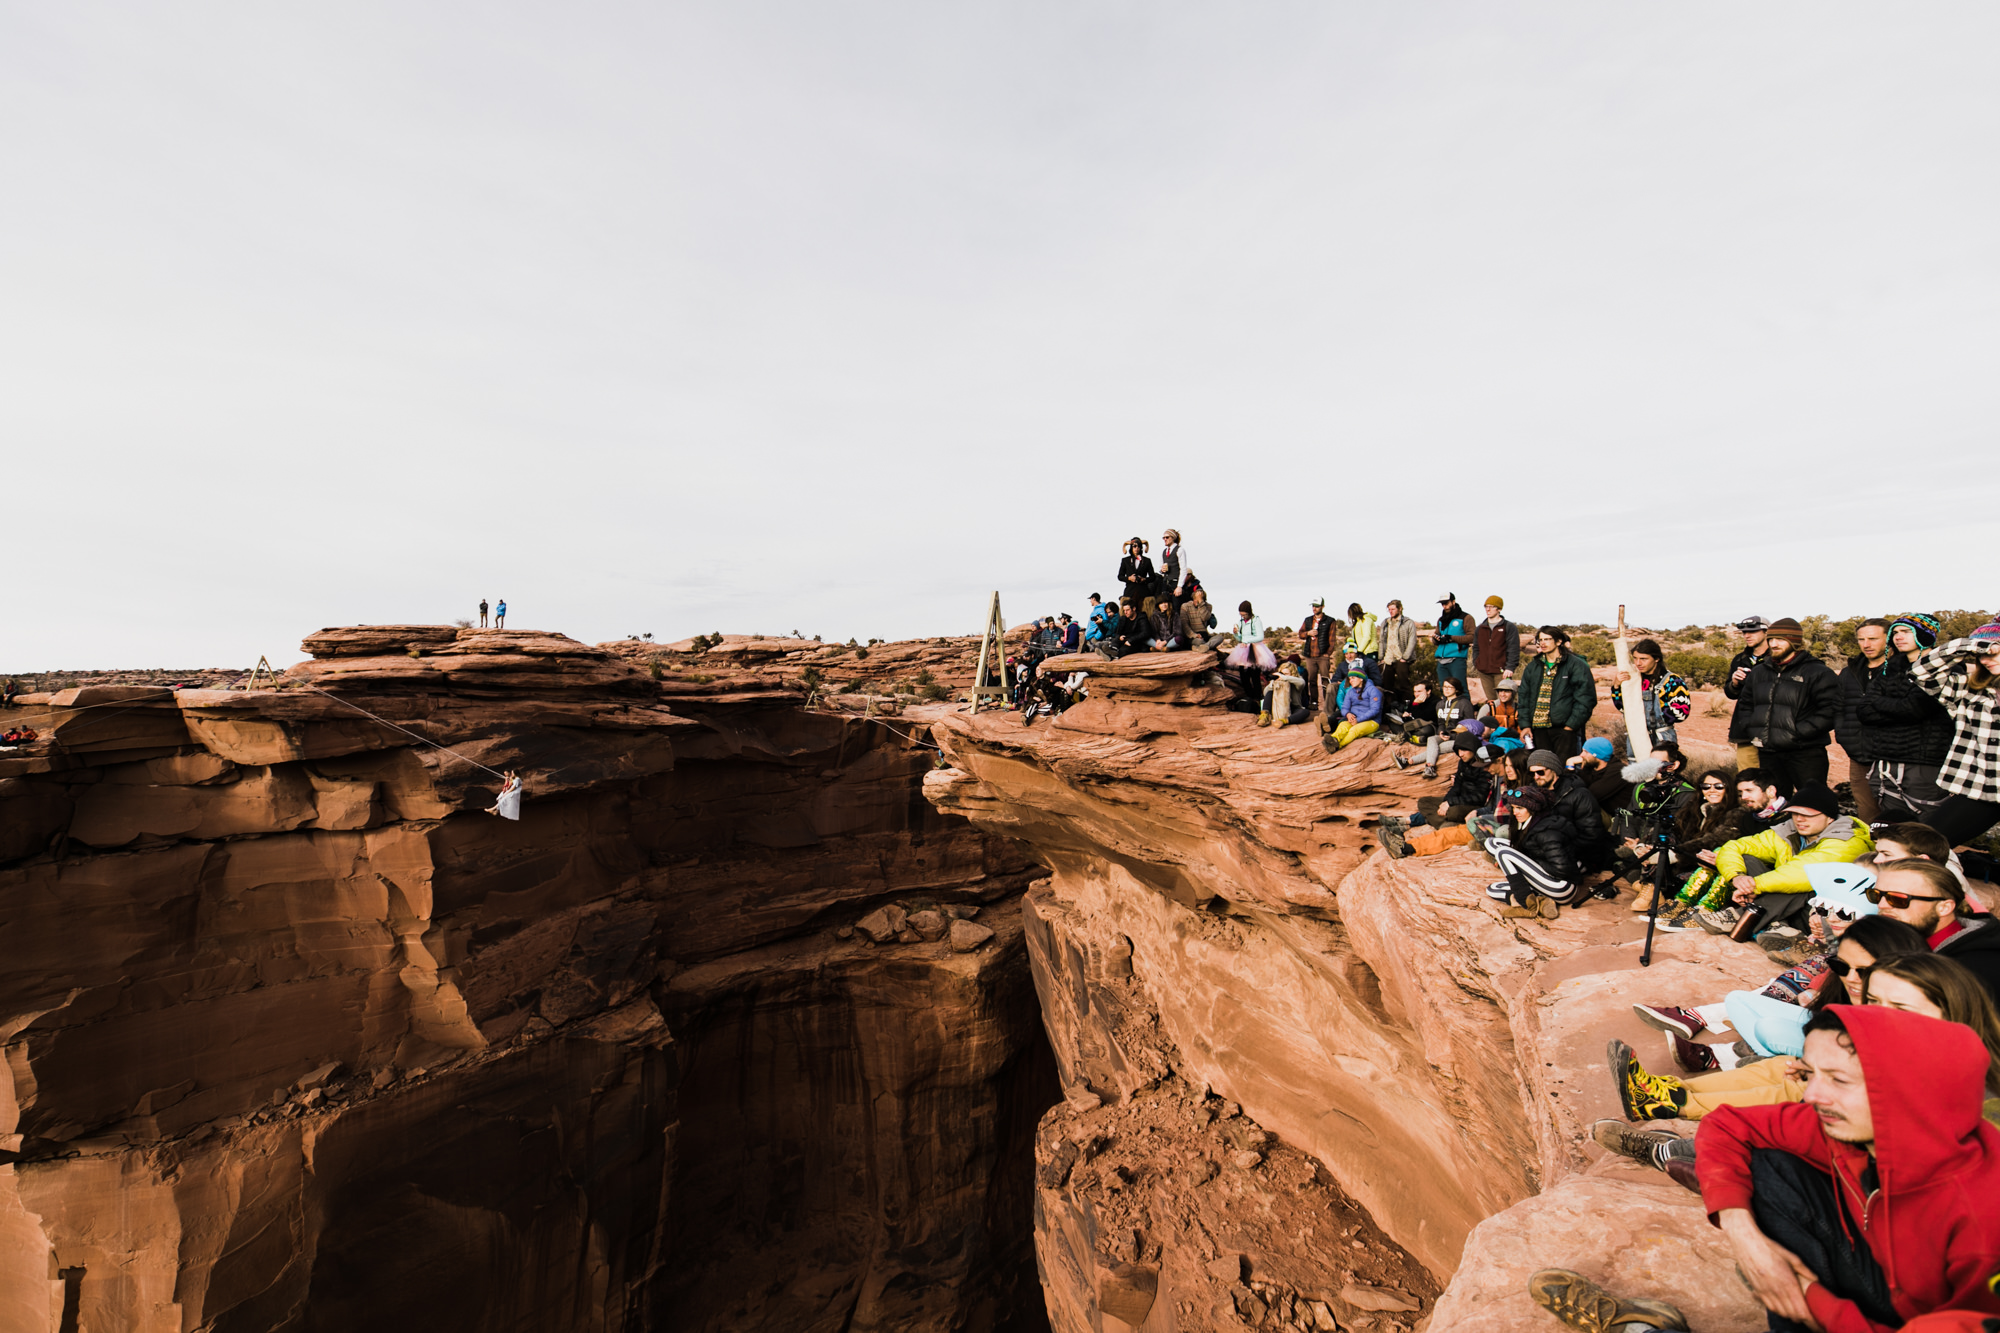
point(1441, 819)
point(1166, 628)
point(1359, 705)
point(1135, 629)
point(1757, 1078)
point(1763, 807)
point(1071, 634)
point(1929, 898)
point(1766, 871)
point(1444, 740)
point(1716, 815)
point(1198, 622)
point(1110, 630)
point(1608, 784)
point(1285, 698)
point(1505, 710)
point(1652, 808)
point(1509, 769)
point(1571, 799)
point(1537, 857)
point(1869, 1202)
point(1415, 720)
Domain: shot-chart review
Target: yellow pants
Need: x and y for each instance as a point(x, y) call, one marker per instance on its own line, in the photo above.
point(1351, 731)
point(1759, 1083)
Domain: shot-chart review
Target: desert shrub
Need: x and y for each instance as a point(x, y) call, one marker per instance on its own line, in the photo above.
point(861, 654)
point(1709, 669)
point(1958, 624)
point(935, 692)
point(462, 623)
point(655, 670)
point(1594, 649)
point(925, 677)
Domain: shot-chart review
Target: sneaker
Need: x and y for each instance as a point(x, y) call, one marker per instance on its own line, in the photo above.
point(1582, 1304)
point(1392, 842)
point(1693, 1056)
point(1678, 916)
point(1684, 1023)
point(1281, 722)
point(1644, 1096)
point(1719, 922)
point(1778, 938)
point(1801, 952)
point(1402, 761)
point(1430, 772)
point(1605, 892)
point(1641, 1145)
point(1396, 822)
point(1263, 719)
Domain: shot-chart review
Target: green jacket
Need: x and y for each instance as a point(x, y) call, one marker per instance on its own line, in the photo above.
point(1788, 854)
point(1575, 692)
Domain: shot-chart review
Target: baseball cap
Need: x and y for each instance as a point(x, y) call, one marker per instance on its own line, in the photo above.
point(1753, 622)
point(1448, 599)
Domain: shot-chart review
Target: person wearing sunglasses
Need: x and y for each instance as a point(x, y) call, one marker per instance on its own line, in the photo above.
point(1766, 873)
point(1925, 895)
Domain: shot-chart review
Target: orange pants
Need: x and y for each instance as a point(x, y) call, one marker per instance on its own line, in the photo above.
point(1429, 841)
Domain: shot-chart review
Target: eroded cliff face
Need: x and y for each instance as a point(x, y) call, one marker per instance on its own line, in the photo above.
point(1229, 972)
point(296, 1036)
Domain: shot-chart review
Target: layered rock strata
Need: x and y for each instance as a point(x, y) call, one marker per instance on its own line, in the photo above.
point(1218, 921)
point(294, 1035)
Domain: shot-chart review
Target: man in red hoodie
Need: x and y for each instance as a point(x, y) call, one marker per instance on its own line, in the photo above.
point(1876, 1198)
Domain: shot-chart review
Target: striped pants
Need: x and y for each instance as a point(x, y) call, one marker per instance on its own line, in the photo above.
point(1525, 875)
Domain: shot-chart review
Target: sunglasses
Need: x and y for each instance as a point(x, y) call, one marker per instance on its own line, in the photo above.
point(1840, 967)
point(1713, 786)
point(1899, 901)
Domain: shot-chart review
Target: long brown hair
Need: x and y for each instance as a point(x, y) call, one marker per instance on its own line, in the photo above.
point(1958, 994)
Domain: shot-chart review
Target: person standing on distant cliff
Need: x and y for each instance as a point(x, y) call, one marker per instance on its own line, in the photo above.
point(500, 615)
point(1135, 572)
point(483, 609)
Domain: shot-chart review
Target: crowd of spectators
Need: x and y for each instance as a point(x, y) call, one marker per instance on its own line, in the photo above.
point(1844, 1113)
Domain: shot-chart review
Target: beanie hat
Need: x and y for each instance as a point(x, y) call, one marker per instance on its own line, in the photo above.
point(1925, 628)
point(1818, 797)
point(1496, 600)
point(1475, 725)
point(1986, 633)
point(1350, 647)
point(1532, 799)
point(1464, 742)
point(1545, 759)
point(1786, 628)
point(1599, 749)
point(1357, 670)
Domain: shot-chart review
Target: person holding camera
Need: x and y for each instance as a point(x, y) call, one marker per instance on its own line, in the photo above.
point(1962, 676)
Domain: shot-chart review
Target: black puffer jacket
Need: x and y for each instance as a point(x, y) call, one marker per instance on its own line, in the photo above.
point(1471, 785)
point(1739, 721)
point(1854, 729)
point(1554, 843)
point(1905, 725)
point(1793, 707)
point(1571, 799)
point(1977, 948)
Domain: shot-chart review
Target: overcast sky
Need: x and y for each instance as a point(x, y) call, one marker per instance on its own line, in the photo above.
point(836, 317)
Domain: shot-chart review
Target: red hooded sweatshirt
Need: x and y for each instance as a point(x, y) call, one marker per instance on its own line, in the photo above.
point(1933, 1224)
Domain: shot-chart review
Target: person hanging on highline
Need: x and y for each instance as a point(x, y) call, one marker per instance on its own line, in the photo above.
point(500, 614)
point(508, 803)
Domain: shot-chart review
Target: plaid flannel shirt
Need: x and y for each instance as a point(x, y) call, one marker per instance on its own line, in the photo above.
point(1973, 766)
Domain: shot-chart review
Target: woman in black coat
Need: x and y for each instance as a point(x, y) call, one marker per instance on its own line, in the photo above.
point(1539, 859)
point(1135, 574)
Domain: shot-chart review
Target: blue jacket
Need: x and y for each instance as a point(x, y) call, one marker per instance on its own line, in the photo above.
point(1445, 631)
point(1365, 703)
point(1095, 632)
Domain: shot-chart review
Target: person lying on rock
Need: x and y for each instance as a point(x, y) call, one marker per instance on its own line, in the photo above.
point(1438, 823)
point(1285, 698)
point(1644, 1095)
point(1360, 709)
point(1538, 858)
point(1869, 1202)
point(1766, 872)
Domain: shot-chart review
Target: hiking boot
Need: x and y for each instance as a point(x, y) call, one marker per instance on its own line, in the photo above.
point(1263, 719)
point(1402, 761)
point(1778, 938)
point(1392, 842)
point(1396, 822)
point(1430, 772)
point(1643, 900)
point(1641, 1145)
point(1584, 1305)
point(1280, 722)
point(1678, 917)
point(1685, 1023)
point(1721, 921)
point(1801, 951)
point(1644, 1096)
point(1693, 1056)
point(1517, 911)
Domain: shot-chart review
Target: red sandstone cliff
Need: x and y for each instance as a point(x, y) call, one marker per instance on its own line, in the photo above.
point(1219, 933)
point(295, 1036)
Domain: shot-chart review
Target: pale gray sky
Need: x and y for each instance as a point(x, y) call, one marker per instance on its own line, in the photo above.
point(835, 317)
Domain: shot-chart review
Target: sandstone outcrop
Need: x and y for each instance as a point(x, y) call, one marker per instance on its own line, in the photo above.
point(1217, 919)
point(293, 1035)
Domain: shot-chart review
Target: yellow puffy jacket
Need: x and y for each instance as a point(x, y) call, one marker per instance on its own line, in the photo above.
point(1788, 854)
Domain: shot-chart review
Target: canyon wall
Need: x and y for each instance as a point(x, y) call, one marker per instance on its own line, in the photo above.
point(1358, 1083)
point(293, 1035)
